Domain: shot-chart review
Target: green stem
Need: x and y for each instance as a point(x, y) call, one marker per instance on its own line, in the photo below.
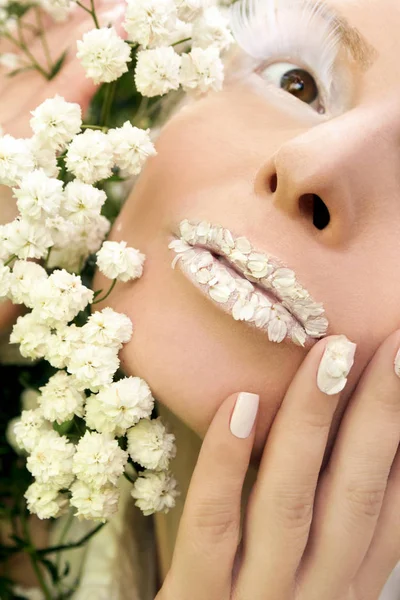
point(94, 14)
point(108, 293)
point(81, 542)
point(128, 477)
point(141, 110)
point(13, 257)
point(33, 558)
point(24, 47)
point(107, 103)
point(105, 129)
point(43, 38)
point(64, 532)
point(181, 41)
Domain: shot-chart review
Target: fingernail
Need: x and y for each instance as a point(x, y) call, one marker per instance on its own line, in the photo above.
point(335, 365)
point(397, 364)
point(244, 414)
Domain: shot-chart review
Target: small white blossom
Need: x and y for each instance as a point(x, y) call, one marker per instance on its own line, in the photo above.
point(82, 203)
point(51, 460)
point(26, 239)
point(61, 345)
point(29, 429)
point(93, 366)
point(45, 501)
point(107, 328)
point(211, 30)
point(132, 146)
point(60, 400)
point(10, 60)
point(202, 70)
point(57, 9)
point(157, 71)
point(55, 122)
point(11, 437)
point(155, 491)
point(94, 503)
point(119, 406)
point(25, 276)
point(60, 298)
point(150, 445)
point(39, 196)
point(44, 157)
point(103, 54)
point(29, 399)
point(32, 335)
point(99, 460)
point(5, 281)
point(116, 261)
point(189, 10)
point(90, 156)
point(16, 160)
point(150, 22)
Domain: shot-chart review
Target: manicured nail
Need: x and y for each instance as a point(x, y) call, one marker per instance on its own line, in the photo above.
point(244, 414)
point(397, 364)
point(335, 365)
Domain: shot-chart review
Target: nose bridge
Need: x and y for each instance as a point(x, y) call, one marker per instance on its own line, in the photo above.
point(343, 160)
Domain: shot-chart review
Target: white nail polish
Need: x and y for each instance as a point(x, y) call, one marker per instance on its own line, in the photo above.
point(335, 365)
point(244, 414)
point(397, 364)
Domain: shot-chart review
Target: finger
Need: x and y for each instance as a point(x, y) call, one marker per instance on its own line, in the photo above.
point(352, 488)
point(384, 551)
point(280, 509)
point(209, 530)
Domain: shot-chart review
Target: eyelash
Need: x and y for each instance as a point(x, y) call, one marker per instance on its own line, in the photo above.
point(294, 30)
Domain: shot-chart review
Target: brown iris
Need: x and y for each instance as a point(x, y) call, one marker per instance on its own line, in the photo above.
point(301, 84)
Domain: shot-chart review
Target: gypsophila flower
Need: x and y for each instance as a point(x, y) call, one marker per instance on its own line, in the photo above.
point(93, 366)
point(60, 400)
point(202, 70)
point(55, 122)
point(32, 335)
point(65, 340)
point(211, 30)
point(132, 146)
point(150, 22)
point(94, 503)
point(90, 156)
point(57, 9)
point(120, 405)
point(189, 10)
point(50, 461)
point(10, 60)
point(30, 428)
point(116, 261)
point(11, 437)
point(157, 71)
point(60, 298)
point(155, 491)
point(82, 203)
point(44, 157)
point(99, 460)
point(26, 239)
point(28, 593)
point(150, 445)
point(103, 54)
point(25, 276)
point(107, 328)
point(5, 281)
point(45, 501)
point(29, 399)
point(16, 160)
point(39, 196)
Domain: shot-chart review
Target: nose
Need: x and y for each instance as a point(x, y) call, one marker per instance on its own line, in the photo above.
point(339, 173)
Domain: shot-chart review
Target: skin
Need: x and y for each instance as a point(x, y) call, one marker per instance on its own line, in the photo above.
point(215, 161)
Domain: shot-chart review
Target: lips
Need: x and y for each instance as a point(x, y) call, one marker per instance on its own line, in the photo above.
point(252, 286)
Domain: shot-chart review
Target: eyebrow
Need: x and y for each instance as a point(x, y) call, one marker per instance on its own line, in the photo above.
point(362, 52)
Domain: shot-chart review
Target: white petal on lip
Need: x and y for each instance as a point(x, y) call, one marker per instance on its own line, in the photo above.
point(220, 292)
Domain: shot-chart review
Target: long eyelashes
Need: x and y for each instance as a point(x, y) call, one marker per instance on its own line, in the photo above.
point(288, 29)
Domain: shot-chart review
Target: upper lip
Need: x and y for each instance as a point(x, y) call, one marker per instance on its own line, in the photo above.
point(276, 278)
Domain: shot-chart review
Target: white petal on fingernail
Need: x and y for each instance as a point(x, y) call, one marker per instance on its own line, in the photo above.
point(335, 365)
point(397, 364)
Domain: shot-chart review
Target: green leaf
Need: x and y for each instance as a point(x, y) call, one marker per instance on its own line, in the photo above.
point(21, 70)
point(58, 64)
point(52, 569)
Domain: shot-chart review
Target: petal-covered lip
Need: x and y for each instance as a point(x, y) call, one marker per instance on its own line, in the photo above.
point(266, 271)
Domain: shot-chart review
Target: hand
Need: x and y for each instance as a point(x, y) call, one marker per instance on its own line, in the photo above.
point(308, 533)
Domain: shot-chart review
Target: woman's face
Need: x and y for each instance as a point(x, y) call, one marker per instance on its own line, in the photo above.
point(250, 158)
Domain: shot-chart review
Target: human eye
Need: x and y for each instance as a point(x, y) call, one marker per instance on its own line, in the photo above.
point(292, 45)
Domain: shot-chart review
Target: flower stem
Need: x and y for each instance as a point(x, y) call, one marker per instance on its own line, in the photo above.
point(91, 11)
point(181, 41)
point(95, 127)
point(13, 257)
point(33, 557)
point(43, 38)
point(107, 103)
point(24, 47)
point(77, 544)
point(108, 293)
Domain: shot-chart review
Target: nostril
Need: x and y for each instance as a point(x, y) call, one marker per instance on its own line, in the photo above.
point(273, 183)
point(312, 206)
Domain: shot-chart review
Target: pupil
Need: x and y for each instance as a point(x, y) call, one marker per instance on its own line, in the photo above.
point(301, 84)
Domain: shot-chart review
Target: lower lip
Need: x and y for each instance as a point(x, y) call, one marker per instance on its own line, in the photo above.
point(225, 286)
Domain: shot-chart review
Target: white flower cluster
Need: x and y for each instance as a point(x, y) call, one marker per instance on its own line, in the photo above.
point(154, 25)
